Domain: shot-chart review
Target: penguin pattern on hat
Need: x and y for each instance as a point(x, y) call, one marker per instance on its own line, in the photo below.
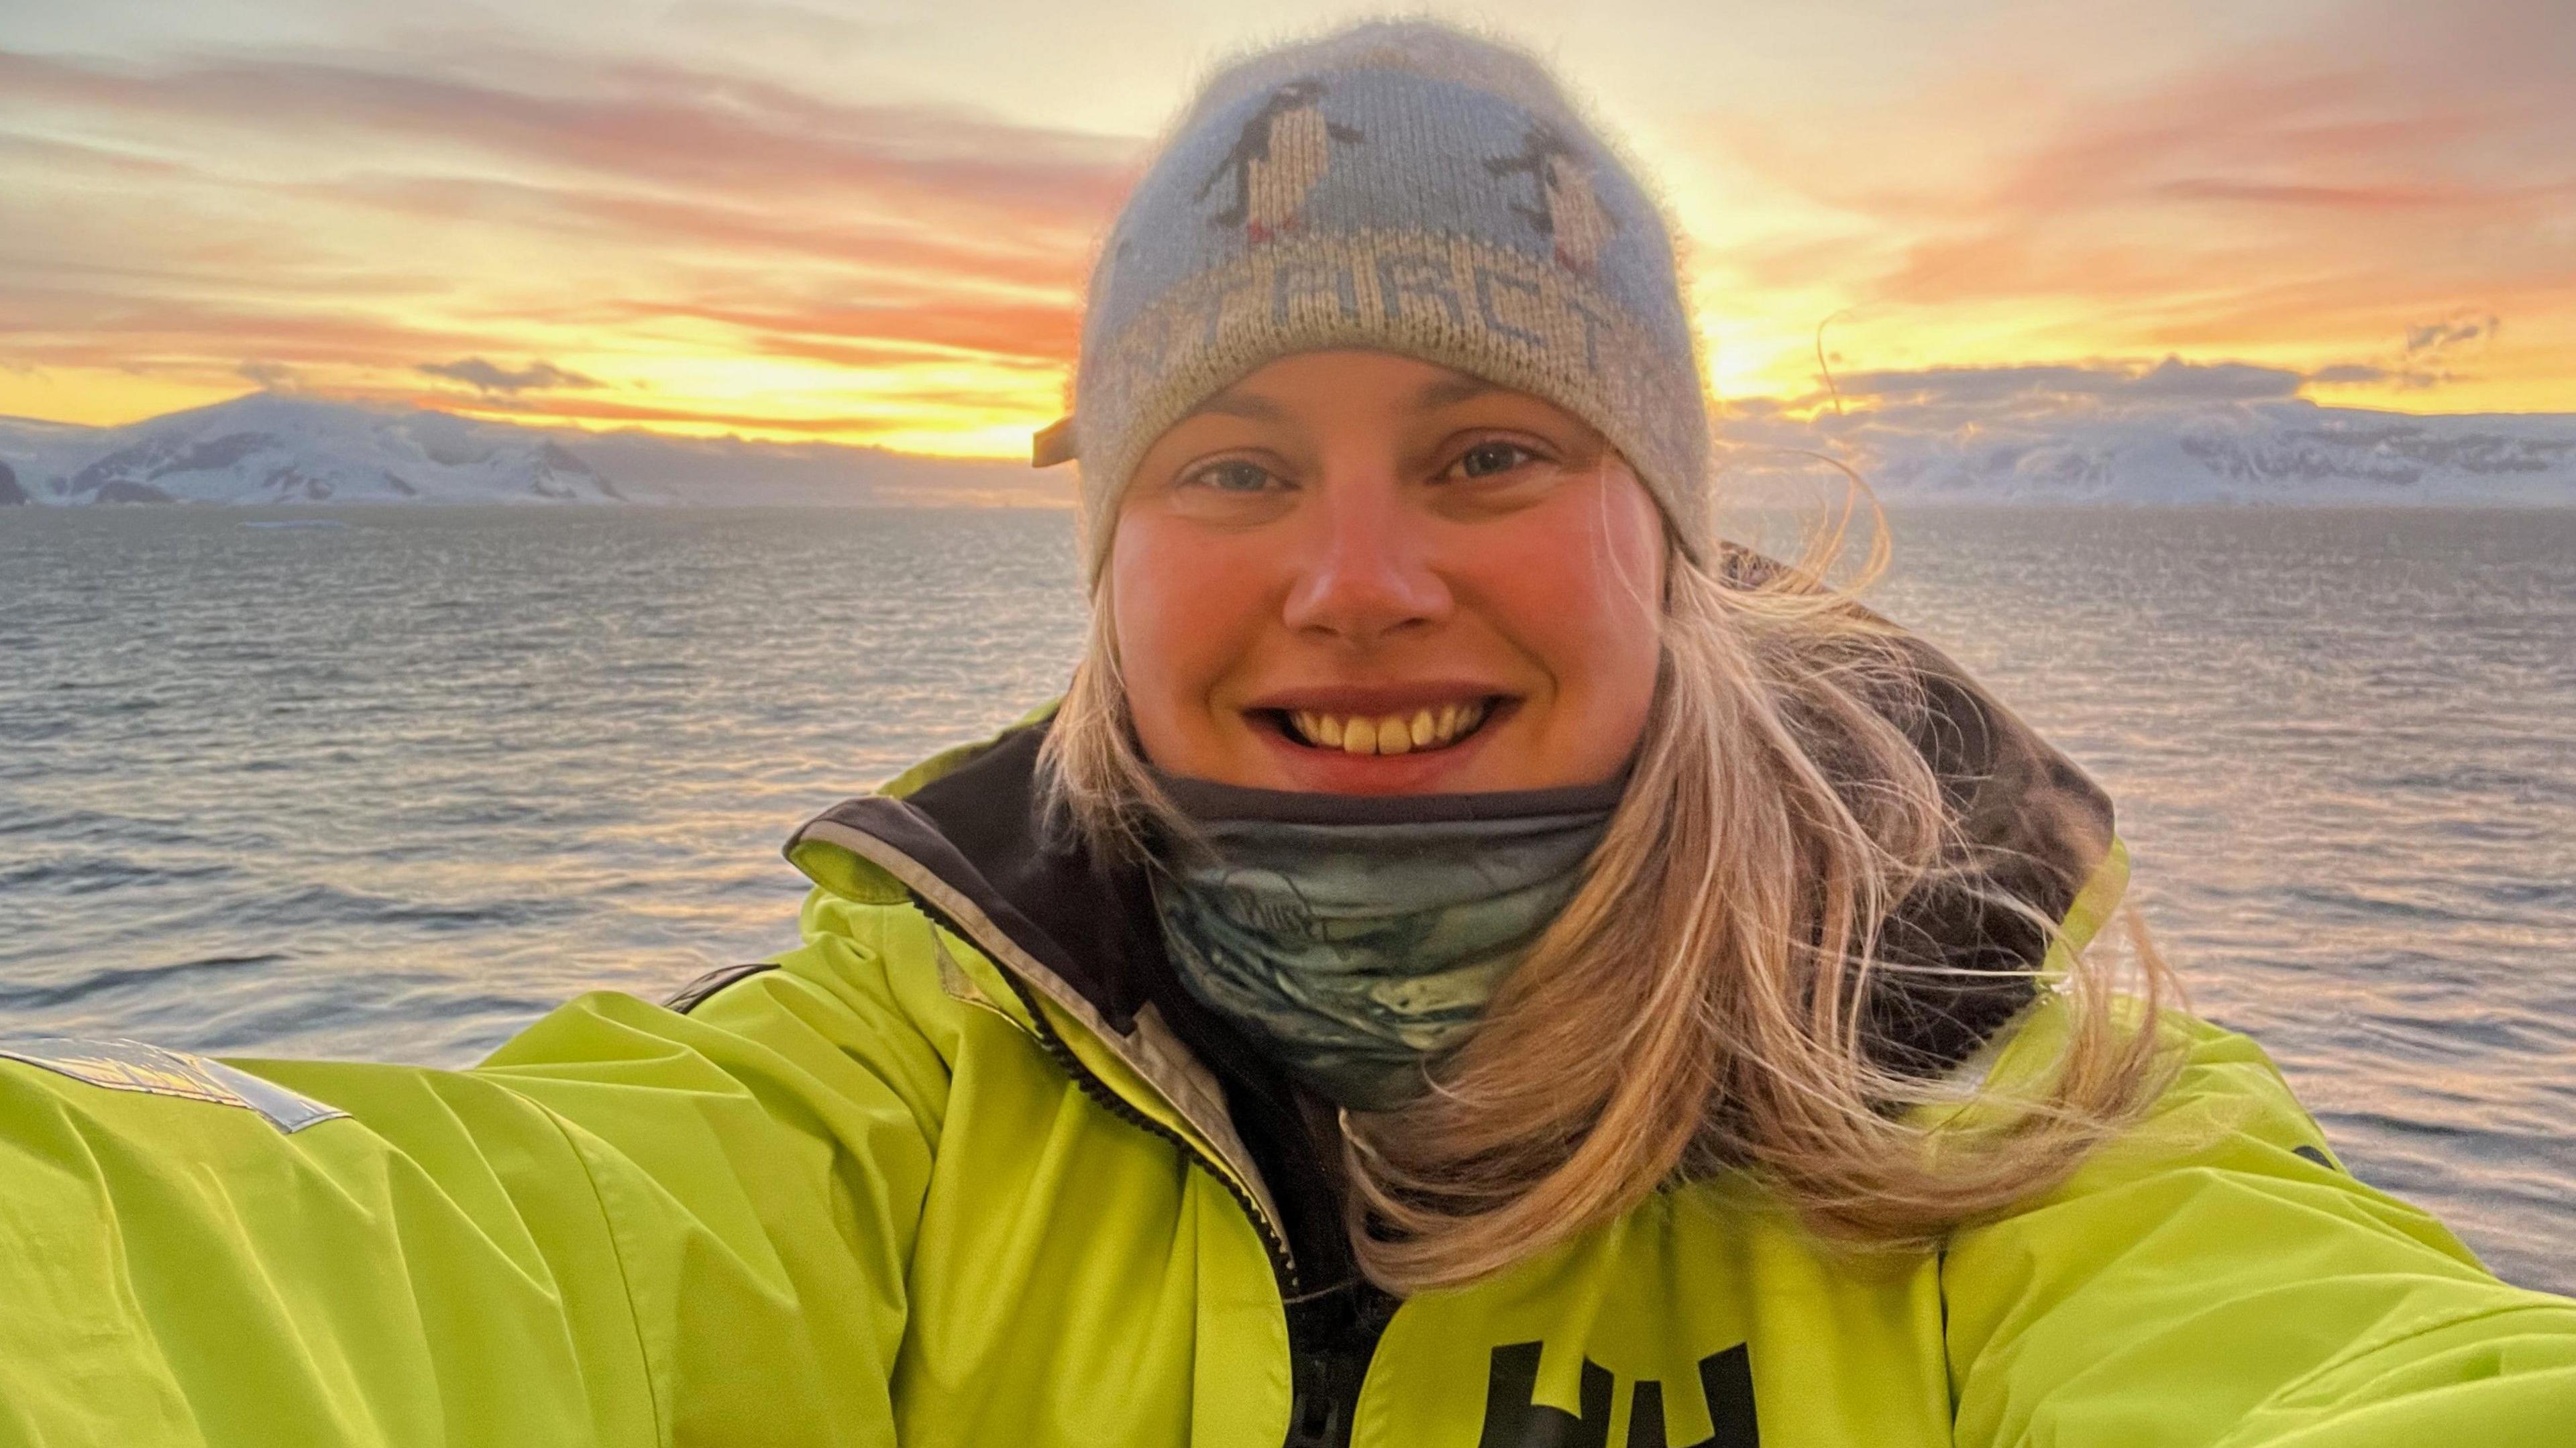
point(1403, 186)
point(1567, 213)
point(1282, 152)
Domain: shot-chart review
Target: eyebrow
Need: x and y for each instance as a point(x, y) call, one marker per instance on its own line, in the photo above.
point(1442, 392)
point(1448, 390)
point(1251, 404)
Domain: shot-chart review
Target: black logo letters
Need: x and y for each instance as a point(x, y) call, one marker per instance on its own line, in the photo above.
point(1513, 1421)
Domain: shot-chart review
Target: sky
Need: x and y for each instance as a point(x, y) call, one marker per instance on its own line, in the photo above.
point(871, 223)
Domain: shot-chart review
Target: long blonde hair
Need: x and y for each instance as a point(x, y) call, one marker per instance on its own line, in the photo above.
point(1705, 999)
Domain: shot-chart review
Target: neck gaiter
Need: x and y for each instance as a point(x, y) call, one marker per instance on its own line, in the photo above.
point(1356, 937)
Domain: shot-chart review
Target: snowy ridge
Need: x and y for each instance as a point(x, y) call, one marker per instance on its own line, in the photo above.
point(1952, 440)
point(279, 448)
point(267, 448)
point(2279, 451)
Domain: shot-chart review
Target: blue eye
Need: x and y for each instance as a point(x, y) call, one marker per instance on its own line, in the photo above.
point(1234, 476)
point(1502, 452)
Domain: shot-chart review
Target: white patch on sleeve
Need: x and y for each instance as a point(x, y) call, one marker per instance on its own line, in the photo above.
point(121, 1065)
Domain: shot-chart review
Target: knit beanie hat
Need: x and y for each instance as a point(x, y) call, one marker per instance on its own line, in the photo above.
point(1403, 186)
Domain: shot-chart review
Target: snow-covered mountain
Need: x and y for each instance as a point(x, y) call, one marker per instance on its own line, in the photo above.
point(2272, 451)
point(281, 448)
point(267, 448)
point(2123, 446)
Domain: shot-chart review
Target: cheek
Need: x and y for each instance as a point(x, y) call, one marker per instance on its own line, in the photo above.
point(1177, 613)
point(1582, 594)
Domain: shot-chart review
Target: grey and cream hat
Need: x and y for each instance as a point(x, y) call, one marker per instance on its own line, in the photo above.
point(1405, 186)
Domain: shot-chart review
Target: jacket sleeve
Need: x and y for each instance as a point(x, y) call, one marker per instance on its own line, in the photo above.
point(629, 1226)
point(2214, 1278)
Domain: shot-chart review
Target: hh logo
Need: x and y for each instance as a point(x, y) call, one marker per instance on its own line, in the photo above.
point(1513, 1421)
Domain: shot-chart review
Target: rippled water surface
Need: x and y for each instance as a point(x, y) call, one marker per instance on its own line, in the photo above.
point(392, 788)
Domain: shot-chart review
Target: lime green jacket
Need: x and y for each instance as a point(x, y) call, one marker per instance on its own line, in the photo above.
point(911, 1182)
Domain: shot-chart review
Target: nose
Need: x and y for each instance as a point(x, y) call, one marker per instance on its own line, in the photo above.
point(1365, 575)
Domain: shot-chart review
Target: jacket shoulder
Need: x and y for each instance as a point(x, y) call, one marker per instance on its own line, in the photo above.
point(2215, 1274)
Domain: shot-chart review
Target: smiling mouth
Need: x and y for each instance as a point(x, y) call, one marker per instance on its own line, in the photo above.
point(1420, 731)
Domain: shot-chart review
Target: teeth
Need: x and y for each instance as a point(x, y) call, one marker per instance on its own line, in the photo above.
point(1425, 728)
point(1393, 737)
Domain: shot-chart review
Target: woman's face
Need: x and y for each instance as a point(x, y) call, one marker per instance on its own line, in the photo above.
point(1363, 573)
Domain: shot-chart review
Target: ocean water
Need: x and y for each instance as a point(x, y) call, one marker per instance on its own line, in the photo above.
point(393, 785)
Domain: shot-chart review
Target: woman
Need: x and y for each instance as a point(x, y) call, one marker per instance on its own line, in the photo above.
point(1471, 960)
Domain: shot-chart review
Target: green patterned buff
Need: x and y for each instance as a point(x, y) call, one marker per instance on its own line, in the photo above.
point(1358, 937)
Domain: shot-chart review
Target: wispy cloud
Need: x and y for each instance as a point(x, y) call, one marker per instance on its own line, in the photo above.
point(2171, 380)
point(271, 376)
point(658, 123)
point(2436, 337)
point(490, 377)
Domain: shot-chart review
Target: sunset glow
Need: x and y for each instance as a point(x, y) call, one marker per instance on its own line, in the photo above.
point(795, 222)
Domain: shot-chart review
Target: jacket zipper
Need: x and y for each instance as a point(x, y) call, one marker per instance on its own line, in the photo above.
point(1283, 1267)
point(1303, 1371)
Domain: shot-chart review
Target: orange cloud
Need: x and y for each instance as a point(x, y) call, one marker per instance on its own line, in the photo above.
point(717, 248)
point(656, 229)
point(2291, 201)
point(660, 124)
